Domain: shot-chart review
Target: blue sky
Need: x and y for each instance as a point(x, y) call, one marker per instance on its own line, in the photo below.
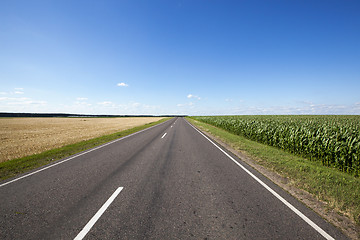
point(180, 57)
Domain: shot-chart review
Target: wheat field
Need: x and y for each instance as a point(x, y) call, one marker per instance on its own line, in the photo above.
point(22, 137)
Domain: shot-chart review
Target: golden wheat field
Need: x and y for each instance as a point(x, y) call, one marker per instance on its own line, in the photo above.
point(26, 136)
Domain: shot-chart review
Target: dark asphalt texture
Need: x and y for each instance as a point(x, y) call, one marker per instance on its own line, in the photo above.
point(176, 187)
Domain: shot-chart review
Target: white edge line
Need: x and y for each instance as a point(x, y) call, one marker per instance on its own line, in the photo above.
point(295, 210)
point(98, 214)
point(78, 155)
point(164, 135)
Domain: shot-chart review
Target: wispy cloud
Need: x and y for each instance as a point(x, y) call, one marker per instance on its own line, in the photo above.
point(20, 101)
point(193, 96)
point(19, 91)
point(81, 99)
point(127, 108)
point(185, 104)
point(122, 84)
point(106, 103)
point(21, 104)
point(11, 101)
point(16, 91)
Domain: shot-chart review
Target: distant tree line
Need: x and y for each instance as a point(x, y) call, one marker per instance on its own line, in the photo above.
point(5, 114)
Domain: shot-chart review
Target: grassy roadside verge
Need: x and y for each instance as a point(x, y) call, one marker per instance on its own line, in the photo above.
point(17, 166)
point(340, 191)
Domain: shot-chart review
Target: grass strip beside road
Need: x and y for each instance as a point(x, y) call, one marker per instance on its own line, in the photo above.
point(18, 166)
point(339, 190)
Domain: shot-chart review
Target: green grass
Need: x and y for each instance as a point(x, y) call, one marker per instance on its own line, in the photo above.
point(339, 190)
point(17, 166)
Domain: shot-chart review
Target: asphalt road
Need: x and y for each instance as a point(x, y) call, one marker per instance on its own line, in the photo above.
point(167, 182)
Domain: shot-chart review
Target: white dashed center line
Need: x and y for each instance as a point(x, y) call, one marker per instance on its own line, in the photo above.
point(96, 217)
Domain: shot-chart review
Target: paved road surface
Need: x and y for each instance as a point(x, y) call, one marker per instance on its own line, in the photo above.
point(167, 182)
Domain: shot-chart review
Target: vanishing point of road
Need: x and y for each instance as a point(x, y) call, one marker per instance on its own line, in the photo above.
point(166, 182)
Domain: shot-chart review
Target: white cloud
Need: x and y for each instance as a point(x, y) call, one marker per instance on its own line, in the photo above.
point(16, 91)
point(185, 104)
point(10, 102)
point(24, 101)
point(21, 104)
point(105, 103)
point(135, 104)
point(122, 84)
point(193, 96)
point(137, 108)
point(83, 104)
point(81, 99)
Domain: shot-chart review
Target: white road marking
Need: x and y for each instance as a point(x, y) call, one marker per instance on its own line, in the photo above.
point(164, 135)
point(78, 155)
point(295, 210)
point(96, 217)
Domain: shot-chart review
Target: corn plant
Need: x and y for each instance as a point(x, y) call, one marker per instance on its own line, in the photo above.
point(333, 140)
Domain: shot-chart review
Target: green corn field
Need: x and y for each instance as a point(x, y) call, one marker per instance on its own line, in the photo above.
point(333, 140)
